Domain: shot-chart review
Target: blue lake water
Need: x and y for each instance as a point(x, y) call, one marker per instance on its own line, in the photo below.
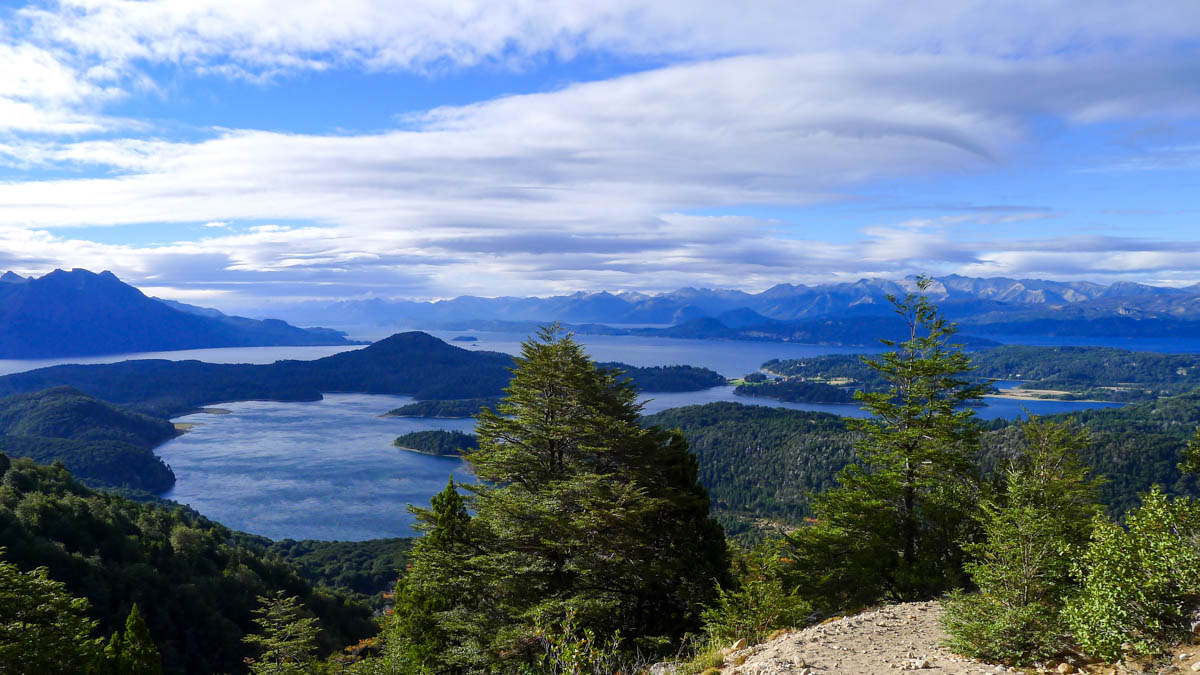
point(328, 470)
point(320, 470)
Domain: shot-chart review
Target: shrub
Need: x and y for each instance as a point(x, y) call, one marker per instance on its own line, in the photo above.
point(1042, 517)
point(1140, 584)
point(758, 604)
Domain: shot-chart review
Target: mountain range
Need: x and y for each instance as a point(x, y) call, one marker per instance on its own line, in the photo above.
point(80, 313)
point(982, 300)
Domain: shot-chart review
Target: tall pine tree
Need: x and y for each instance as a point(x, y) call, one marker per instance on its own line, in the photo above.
point(893, 528)
point(580, 511)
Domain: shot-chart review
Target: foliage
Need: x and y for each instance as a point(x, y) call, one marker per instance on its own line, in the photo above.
point(569, 650)
point(580, 511)
point(100, 443)
point(132, 652)
point(761, 463)
point(1191, 456)
point(1040, 522)
point(453, 408)
point(365, 570)
point(44, 630)
point(1140, 584)
point(1100, 373)
point(407, 363)
point(760, 601)
point(893, 528)
point(437, 442)
point(423, 629)
point(193, 582)
point(667, 378)
point(797, 391)
point(286, 638)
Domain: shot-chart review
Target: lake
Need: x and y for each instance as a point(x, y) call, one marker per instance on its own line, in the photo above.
point(328, 470)
point(318, 470)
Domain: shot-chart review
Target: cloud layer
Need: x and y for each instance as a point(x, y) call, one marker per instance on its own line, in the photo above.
point(605, 184)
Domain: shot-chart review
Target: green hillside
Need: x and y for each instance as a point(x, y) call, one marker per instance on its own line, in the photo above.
point(102, 444)
point(194, 584)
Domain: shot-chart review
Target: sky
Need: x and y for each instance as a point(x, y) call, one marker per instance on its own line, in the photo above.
point(244, 153)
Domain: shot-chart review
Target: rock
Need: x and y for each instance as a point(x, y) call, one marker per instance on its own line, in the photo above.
point(1065, 668)
point(740, 644)
point(1196, 667)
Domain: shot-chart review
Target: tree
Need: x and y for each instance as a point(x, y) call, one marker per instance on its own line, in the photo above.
point(1191, 455)
point(1033, 530)
point(435, 588)
point(287, 638)
point(1140, 586)
point(580, 512)
point(43, 629)
point(893, 527)
point(133, 652)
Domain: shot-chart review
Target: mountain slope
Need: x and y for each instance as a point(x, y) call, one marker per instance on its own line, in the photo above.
point(407, 363)
point(961, 297)
point(79, 313)
point(100, 444)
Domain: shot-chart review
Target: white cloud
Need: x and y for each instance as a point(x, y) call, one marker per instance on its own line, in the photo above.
point(780, 103)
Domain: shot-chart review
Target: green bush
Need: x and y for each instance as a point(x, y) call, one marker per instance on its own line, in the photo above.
point(759, 604)
point(1041, 519)
point(1140, 584)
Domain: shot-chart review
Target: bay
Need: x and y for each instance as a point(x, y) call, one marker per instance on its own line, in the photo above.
point(315, 470)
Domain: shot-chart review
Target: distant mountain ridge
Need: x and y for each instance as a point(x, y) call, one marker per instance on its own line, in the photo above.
point(80, 313)
point(959, 296)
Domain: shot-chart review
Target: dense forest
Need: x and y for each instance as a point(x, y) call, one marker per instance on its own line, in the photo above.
point(452, 409)
point(101, 444)
point(1098, 373)
point(437, 442)
point(193, 582)
point(668, 378)
point(796, 391)
point(413, 363)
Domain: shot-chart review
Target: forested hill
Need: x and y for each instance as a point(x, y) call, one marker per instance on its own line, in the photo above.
point(78, 312)
point(1102, 373)
point(194, 584)
point(411, 363)
point(761, 463)
point(99, 443)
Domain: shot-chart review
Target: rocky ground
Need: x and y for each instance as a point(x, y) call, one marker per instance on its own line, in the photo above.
point(892, 639)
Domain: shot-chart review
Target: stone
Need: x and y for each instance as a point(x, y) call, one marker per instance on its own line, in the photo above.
point(1065, 668)
point(1196, 667)
point(740, 644)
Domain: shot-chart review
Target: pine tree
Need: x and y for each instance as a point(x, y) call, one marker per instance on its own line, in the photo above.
point(1033, 530)
point(430, 596)
point(580, 512)
point(893, 527)
point(133, 651)
point(286, 639)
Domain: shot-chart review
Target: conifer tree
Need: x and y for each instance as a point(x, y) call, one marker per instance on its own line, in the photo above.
point(436, 587)
point(893, 527)
point(1039, 523)
point(580, 512)
point(286, 639)
point(132, 652)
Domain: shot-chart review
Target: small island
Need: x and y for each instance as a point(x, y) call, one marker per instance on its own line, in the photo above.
point(464, 338)
point(442, 443)
point(457, 408)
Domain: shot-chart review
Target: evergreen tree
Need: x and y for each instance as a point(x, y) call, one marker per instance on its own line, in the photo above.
point(893, 527)
point(1040, 523)
point(435, 589)
point(580, 512)
point(287, 639)
point(133, 651)
point(43, 629)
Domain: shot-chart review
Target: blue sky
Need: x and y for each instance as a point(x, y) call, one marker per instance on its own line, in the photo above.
point(243, 153)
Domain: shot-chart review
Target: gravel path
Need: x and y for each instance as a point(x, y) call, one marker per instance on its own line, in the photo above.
point(883, 641)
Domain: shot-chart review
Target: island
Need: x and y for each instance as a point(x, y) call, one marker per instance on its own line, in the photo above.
point(442, 443)
point(451, 409)
point(464, 338)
